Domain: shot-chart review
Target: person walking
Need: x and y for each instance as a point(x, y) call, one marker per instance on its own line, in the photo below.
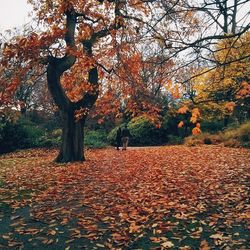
point(118, 138)
point(125, 137)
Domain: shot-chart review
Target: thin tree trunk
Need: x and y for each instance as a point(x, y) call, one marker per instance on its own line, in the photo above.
point(234, 21)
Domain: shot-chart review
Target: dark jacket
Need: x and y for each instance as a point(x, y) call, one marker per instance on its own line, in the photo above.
point(125, 133)
point(118, 135)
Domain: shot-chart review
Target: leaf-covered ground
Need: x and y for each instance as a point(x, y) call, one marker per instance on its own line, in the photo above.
point(153, 198)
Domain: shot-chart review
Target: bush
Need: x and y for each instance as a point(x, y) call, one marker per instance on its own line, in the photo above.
point(207, 141)
point(51, 139)
point(174, 140)
point(193, 140)
point(212, 126)
point(95, 139)
point(92, 139)
point(169, 130)
point(111, 138)
point(19, 135)
point(32, 132)
point(143, 132)
point(232, 137)
point(232, 143)
point(203, 138)
point(240, 134)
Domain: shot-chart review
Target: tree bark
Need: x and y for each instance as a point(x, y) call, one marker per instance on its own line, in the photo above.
point(72, 139)
point(72, 147)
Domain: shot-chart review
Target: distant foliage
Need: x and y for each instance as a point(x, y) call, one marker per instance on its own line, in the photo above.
point(19, 135)
point(51, 139)
point(212, 126)
point(112, 136)
point(95, 139)
point(174, 140)
point(240, 135)
point(143, 132)
point(231, 137)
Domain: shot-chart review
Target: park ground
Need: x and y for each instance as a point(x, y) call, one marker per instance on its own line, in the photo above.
point(172, 197)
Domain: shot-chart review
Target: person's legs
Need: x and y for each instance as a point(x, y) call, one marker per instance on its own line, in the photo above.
point(127, 139)
point(117, 144)
point(124, 143)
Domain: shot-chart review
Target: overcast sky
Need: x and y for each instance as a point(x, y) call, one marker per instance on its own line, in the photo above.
point(13, 13)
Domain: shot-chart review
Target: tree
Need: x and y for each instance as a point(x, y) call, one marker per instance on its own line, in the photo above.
point(76, 36)
point(210, 22)
point(219, 25)
point(226, 86)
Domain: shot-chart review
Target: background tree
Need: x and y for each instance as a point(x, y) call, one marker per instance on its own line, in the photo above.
point(212, 22)
point(226, 86)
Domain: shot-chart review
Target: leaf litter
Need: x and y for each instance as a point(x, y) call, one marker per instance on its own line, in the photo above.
point(173, 197)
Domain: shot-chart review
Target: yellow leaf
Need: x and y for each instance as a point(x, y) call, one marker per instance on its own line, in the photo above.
point(51, 232)
point(185, 248)
point(134, 228)
point(6, 237)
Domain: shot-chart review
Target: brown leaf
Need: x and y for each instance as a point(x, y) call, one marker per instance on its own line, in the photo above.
point(204, 245)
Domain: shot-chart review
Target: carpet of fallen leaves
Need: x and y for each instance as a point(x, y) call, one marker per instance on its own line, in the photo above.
point(172, 197)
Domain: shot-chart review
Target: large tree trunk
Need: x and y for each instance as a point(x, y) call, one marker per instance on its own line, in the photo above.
point(73, 130)
point(72, 134)
point(72, 139)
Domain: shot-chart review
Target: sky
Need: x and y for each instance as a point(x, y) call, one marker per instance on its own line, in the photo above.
point(13, 13)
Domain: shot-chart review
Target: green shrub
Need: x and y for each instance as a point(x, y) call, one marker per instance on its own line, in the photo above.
point(92, 139)
point(212, 126)
point(111, 138)
point(11, 137)
point(95, 138)
point(32, 132)
point(19, 135)
point(174, 140)
point(169, 130)
point(51, 139)
point(143, 132)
